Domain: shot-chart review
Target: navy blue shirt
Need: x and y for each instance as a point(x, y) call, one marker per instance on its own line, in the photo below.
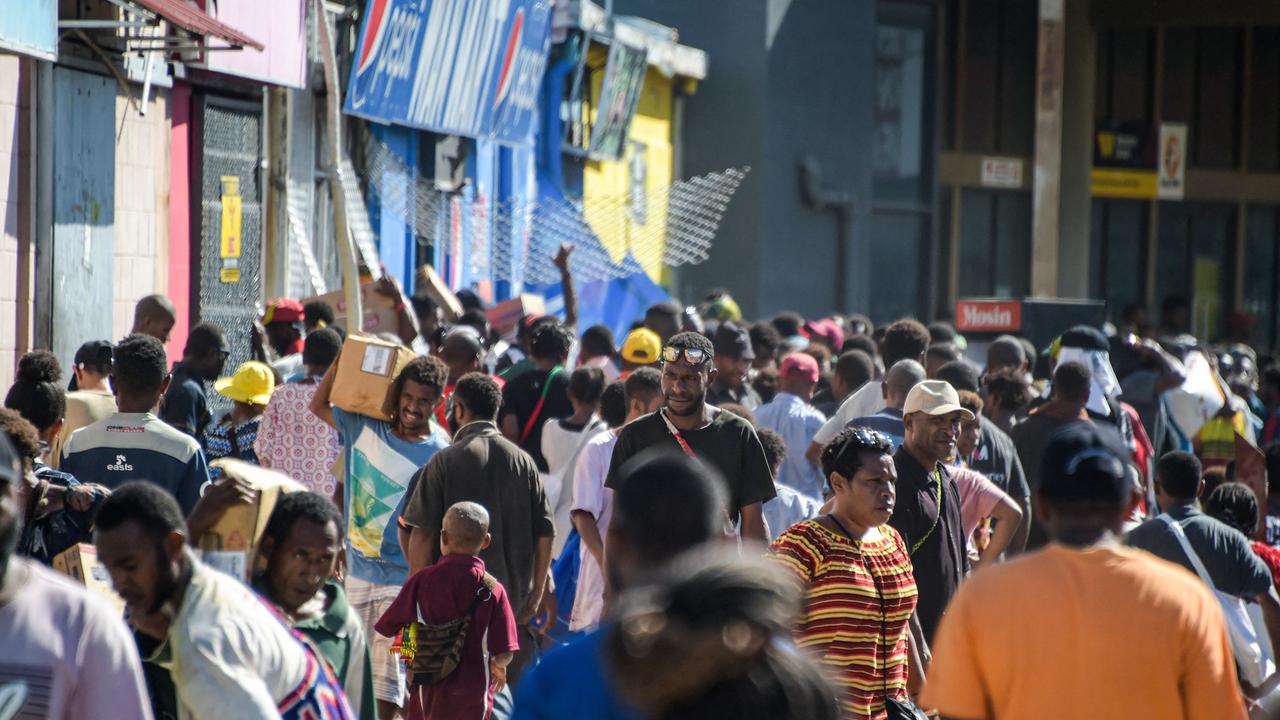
point(138, 446)
point(186, 405)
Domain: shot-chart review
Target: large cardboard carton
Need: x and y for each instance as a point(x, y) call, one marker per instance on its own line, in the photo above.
point(366, 369)
point(379, 310)
point(231, 544)
point(504, 316)
point(429, 283)
point(81, 563)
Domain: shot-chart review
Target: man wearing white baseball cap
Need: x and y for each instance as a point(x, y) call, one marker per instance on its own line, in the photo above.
point(927, 514)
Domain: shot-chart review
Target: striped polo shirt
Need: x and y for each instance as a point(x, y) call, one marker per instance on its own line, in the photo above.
point(138, 446)
point(862, 645)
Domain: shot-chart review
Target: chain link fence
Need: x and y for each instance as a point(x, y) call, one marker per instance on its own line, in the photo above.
point(614, 236)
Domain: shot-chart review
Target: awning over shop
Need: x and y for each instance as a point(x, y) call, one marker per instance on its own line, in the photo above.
point(455, 67)
point(140, 17)
point(196, 21)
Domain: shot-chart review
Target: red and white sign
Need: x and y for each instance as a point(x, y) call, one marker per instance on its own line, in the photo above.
point(1001, 172)
point(988, 315)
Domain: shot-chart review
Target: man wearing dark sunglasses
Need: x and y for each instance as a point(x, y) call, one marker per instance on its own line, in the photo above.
point(689, 425)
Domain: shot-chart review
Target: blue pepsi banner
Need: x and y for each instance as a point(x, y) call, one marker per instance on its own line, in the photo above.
point(458, 67)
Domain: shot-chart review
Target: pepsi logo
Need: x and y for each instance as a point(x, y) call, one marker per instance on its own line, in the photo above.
point(509, 56)
point(377, 25)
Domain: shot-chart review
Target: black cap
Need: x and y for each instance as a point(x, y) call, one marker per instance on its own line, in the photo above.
point(1085, 337)
point(1082, 462)
point(733, 340)
point(94, 352)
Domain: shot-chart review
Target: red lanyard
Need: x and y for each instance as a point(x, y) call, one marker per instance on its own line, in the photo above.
point(542, 400)
point(684, 444)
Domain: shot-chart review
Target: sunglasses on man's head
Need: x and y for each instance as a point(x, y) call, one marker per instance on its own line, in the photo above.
point(692, 355)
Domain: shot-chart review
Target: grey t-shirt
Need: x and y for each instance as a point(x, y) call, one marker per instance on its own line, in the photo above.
point(1224, 551)
point(998, 459)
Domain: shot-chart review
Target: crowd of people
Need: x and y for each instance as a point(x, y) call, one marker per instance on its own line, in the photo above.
point(789, 518)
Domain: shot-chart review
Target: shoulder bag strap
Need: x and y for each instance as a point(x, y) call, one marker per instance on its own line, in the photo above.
point(542, 400)
point(936, 521)
point(1196, 563)
point(675, 433)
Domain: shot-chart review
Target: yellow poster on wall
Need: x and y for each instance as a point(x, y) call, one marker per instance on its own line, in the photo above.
point(232, 223)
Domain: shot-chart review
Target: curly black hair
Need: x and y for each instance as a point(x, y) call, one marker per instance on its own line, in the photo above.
point(37, 394)
point(551, 341)
point(904, 340)
point(479, 394)
point(153, 508)
point(613, 404)
point(321, 347)
point(139, 365)
point(693, 340)
point(317, 311)
point(23, 435)
point(775, 447)
point(293, 506)
point(844, 453)
point(586, 385)
point(425, 370)
point(1234, 504)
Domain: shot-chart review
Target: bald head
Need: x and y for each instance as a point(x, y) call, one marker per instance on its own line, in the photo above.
point(898, 381)
point(154, 315)
point(466, 529)
point(1006, 353)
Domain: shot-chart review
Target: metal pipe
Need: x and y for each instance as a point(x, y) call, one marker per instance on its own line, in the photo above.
point(841, 204)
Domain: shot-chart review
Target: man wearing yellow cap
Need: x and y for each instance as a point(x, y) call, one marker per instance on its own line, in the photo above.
point(640, 349)
point(250, 388)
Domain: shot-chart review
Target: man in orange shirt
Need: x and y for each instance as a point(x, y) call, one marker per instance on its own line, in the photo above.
point(1085, 628)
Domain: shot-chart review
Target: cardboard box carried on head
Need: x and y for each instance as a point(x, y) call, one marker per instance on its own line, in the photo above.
point(366, 371)
point(231, 544)
point(81, 563)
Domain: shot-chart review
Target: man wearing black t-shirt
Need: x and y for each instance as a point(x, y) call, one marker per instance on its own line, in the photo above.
point(539, 394)
point(688, 424)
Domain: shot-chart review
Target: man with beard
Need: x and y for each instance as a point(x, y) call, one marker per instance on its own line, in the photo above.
point(66, 653)
point(690, 425)
point(229, 654)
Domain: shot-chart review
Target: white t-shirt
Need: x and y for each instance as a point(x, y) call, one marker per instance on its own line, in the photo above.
point(231, 657)
point(590, 495)
point(559, 444)
point(867, 400)
point(65, 654)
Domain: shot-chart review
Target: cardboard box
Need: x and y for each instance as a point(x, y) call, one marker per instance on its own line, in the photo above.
point(427, 282)
point(379, 310)
point(504, 316)
point(231, 544)
point(366, 369)
point(81, 562)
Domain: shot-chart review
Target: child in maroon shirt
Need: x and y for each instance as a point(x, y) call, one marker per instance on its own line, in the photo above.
point(445, 592)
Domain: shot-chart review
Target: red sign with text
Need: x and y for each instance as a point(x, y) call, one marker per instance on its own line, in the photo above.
point(988, 315)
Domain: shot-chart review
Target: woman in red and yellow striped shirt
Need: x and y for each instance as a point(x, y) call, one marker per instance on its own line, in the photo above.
point(859, 590)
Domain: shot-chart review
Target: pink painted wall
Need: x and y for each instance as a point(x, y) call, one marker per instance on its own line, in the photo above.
point(280, 25)
point(180, 214)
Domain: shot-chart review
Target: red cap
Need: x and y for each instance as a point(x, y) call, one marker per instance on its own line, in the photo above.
point(827, 329)
point(802, 364)
point(283, 310)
